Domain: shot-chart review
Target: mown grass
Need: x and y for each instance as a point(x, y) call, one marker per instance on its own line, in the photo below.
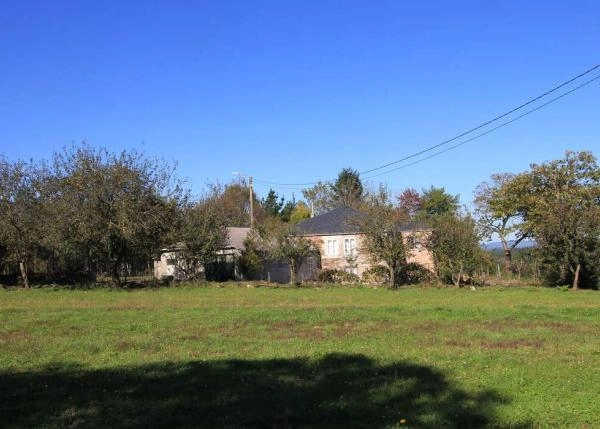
point(299, 357)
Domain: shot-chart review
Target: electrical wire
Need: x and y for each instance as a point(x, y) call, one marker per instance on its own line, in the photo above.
point(486, 132)
point(463, 134)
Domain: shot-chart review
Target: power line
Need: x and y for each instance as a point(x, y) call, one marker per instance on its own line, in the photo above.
point(445, 142)
point(488, 131)
point(533, 100)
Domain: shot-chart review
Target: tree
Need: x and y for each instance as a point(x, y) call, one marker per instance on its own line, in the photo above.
point(562, 209)
point(272, 205)
point(320, 198)
point(201, 233)
point(383, 240)
point(22, 215)
point(454, 244)
point(282, 242)
point(497, 212)
point(113, 208)
point(300, 212)
point(252, 255)
point(410, 203)
point(234, 200)
point(347, 191)
point(437, 202)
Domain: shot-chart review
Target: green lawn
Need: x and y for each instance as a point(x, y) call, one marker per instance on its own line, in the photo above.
point(300, 357)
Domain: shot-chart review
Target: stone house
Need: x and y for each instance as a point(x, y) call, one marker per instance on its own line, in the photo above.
point(340, 241)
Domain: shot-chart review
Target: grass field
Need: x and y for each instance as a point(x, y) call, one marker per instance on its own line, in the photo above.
point(299, 357)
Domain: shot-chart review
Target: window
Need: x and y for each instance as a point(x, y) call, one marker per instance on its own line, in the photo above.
point(171, 261)
point(332, 248)
point(349, 246)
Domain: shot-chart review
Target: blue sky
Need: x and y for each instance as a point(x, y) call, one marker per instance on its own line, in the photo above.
point(292, 92)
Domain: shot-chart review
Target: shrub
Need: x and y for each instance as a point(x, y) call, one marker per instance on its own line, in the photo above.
point(407, 274)
point(376, 275)
point(337, 276)
point(413, 273)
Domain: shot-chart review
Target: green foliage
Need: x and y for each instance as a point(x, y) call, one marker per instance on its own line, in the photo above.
point(112, 207)
point(381, 224)
point(252, 257)
point(497, 210)
point(560, 203)
point(337, 276)
point(413, 273)
point(347, 191)
point(234, 202)
point(320, 198)
point(300, 212)
point(201, 233)
point(21, 213)
point(377, 274)
point(272, 205)
point(281, 242)
point(437, 202)
point(454, 244)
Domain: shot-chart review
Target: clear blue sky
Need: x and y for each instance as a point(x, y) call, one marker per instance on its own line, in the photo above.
point(293, 92)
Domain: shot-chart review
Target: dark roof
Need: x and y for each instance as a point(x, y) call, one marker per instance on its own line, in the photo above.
point(342, 221)
point(338, 221)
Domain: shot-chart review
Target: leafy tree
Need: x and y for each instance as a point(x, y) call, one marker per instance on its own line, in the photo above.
point(272, 205)
point(562, 209)
point(437, 202)
point(383, 239)
point(347, 191)
point(497, 209)
point(286, 211)
point(252, 256)
point(454, 244)
point(410, 203)
point(22, 215)
point(320, 198)
point(282, 242)
point(112, 208)
point(234, 200)
point(201, 233)
point(300, 212)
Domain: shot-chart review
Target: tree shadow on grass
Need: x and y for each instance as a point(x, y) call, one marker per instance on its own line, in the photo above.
point(338, 391)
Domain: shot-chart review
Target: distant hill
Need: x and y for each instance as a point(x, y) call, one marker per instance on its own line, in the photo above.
point(496, 245)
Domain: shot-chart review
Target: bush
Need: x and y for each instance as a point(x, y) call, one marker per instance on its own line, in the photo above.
point(413, 273)
point(337, 276)
point(376, 275)
point(408, 274)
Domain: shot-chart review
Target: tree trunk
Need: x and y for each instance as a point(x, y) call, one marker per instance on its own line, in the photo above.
point(293, 271)
point(24, 275)
point(507, 260)
point(115, 274)
point(576, 277)
point(459, 277)
point(392, 284)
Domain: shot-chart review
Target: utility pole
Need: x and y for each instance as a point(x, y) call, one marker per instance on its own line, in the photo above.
point(251, 203)
point(237, 173)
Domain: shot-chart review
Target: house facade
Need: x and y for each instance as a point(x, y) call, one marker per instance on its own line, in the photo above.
point(340, 242)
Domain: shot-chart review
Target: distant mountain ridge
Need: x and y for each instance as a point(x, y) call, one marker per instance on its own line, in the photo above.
point(497, 245)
